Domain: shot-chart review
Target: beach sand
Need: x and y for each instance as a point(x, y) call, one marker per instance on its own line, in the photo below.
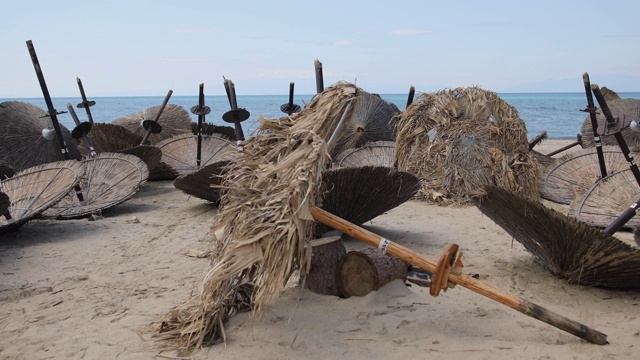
point(82, 289)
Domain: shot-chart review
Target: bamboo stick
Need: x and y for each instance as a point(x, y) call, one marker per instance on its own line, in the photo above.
point(524, 306)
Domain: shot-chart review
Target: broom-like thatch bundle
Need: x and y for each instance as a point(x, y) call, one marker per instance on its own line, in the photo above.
point(209, 129)
point(33, 190)
point(573, 174)
point(21, 142)
point(110, 179)
point(457, 141)
point(622, 109)
point(377, 153)
point(264, 223)
point(175, 120)
point(180, 151)
point(570, 249)
point(606, 200)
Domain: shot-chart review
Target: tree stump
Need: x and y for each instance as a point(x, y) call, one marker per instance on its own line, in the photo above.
point(361, 272)
point(326, 253)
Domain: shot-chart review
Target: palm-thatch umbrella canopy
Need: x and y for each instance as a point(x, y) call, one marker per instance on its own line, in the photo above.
point(22, 144)
point(370, 121)
point(180, 152)
point(6, 171)
point(622, 109)
point(573, 174)
point(209, 129)
point(570, 249)
point(457, 141)
point(33, 190)
point(606, 200)
point(110, 179)
point(175, 120)
point(4, 203)
point(348, 192)
point(377, 153)
point(204, 183)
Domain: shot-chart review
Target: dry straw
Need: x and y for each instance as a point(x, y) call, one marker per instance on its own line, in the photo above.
point(606, 200)
point(180, 152)
point(570, 249)
point(175, 120)
point(264, 222)
point(21, 142)
point(457, 141)
point(378, 153)
point(36, 189)
point(622, 109)
point(204, 182)
point(573, 174)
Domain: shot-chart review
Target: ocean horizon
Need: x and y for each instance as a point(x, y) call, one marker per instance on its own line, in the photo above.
point(557, 113)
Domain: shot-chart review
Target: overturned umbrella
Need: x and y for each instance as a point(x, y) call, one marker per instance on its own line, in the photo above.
point(290, 108)
point(377, 153)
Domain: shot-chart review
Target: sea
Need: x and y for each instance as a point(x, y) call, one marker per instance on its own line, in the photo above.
point(559, 114)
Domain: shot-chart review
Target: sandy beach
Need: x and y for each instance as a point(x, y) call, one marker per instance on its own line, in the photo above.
point(85, 288)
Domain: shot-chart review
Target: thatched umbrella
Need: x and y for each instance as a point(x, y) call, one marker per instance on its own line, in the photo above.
point(175, 120)
point(209, 129)
point(110, 179)
point(6, 171)
point(349, 192)
point(264, 222)
point(33, 190)
point(457, 141)
point(620, 109)
point(203, 182)
point(606, 200)
point(377, 153)
point(22, 144)
point(570, 249)
point(179, 152)
point(575, 173)
point(4, 203)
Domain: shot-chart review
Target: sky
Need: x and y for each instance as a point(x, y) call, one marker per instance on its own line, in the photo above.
point(147, 47)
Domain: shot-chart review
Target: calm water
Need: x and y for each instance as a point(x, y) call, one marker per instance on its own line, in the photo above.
point(557, 113)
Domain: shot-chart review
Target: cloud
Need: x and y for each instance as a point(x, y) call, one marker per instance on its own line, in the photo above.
point(404, 32)
point(343, 43)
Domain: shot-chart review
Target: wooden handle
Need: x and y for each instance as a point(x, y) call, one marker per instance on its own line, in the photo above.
point(511, 300)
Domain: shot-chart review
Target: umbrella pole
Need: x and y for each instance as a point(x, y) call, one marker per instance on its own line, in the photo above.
point(524, 306)
point(86, 104)
point(235, 115)
point(412, 92)
point(155, 121)
point(319, 79)
point(566, 147)
point(591, 109)
point(85, 136)
point(289, 108)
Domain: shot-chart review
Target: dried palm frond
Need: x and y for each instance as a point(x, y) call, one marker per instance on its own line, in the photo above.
point(21, 142)
point(264, 222)
point(33, 190)
point(175, 120)
point(622, 109)
point(210, 129)
point(573, 174)
point(378, 153)
point(607, 199)
point(110, 179)
point(6, 171)
point(201, 183)
point(180, 152)
point(359, 194)
point(570, 249)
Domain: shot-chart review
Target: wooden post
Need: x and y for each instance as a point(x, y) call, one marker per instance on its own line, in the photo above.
point(326, 254)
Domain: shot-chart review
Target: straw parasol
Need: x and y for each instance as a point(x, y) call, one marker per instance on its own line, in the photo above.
point(175, 120)
point(264, 222)
point(620, 109)
point(370, 121)
point(227, 132)
point(457, 141)
point(110, 179)
point(4, 203)
point(22, 144)
point(6, 171)
point(33, 190)
point(201, 183)
point(575, 173)
point(570, 249)
point(377, 153)
point(359, 194)
point(180, 151)
point(606, 200)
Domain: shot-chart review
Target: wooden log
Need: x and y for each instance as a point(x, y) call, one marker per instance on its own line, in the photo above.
point(361, 272)
point(326, 254)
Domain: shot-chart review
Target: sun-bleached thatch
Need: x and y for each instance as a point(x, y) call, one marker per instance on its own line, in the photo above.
point(457, 141)
point(602, 203)
point(21, 142)
point(570, 249)
point(180, 151)
point(110, 179)
point(377, 153)
point(573, 174)
point(204, 182)
point(34, 190)
point(623, 109)
point(175, 120)
point(264, 223)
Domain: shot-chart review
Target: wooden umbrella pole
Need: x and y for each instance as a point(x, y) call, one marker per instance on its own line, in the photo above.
point(524, 306)
point(157, 118)
point(567, 147)
point(591, 109)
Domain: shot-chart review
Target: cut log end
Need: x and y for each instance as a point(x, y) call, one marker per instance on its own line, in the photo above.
point(361, 272)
